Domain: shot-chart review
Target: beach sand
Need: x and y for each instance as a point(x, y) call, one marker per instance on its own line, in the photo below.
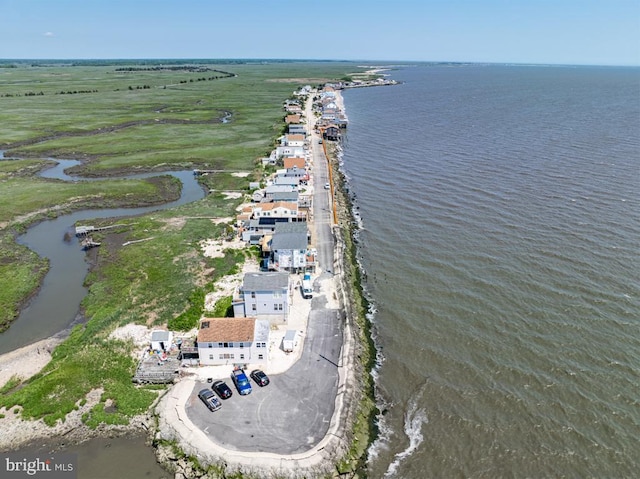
point(27, 361)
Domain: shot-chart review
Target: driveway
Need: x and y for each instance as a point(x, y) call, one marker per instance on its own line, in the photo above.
point(292, 413)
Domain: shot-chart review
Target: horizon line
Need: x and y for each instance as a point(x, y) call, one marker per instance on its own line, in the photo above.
point(307, 60)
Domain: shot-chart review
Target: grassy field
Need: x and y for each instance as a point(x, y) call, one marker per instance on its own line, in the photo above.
point(170, 122)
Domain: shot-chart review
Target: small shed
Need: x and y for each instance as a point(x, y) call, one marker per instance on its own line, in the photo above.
point(161, 340)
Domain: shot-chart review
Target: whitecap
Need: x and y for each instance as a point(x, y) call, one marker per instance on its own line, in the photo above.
point(414, 418)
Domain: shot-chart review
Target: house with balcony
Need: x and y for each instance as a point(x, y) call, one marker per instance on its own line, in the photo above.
point(233, 341)
point(288, 247)
point(257, 220)
point(263, 295)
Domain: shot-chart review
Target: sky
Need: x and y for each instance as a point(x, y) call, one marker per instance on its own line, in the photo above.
point(582, 32)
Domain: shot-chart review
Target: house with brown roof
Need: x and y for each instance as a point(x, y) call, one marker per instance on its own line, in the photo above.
point(233, 341)
point(295, 162)
point(293, 140)
point(292, 119)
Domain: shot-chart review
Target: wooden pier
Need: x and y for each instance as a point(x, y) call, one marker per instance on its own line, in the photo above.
point(86, 230)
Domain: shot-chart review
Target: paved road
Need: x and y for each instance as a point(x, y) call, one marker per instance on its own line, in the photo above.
point(292, 414)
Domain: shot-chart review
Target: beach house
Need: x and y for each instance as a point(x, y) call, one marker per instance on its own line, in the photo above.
point(263, 295)
point(233, 341)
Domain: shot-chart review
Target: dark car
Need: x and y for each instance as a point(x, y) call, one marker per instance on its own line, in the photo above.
point(259, 377)
point(241, 381)
point(221, 389)
point(210, 400)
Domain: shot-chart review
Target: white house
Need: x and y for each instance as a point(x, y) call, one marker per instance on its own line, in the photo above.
point(233, 341)
point(263, 295)
point(293, 140)
point(284, 151)
point(278, 209)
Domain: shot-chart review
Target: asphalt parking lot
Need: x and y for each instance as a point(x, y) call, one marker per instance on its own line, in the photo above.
point(293, 412)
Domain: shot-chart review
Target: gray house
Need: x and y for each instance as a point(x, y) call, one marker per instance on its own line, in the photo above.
point(263, 295)
point(297, 129)
point(289, 247)
point(281, 193)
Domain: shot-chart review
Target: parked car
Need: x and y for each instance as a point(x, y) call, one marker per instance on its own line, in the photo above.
point(306, 287)
point(221, 389)
point(259, 377)
point(210, 400)
point(241, 381)
point(327, 186)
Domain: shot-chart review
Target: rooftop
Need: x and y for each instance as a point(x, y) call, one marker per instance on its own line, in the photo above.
point(265, 281)
point(214, 330)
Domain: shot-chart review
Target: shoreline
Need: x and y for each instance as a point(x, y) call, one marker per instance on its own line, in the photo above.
point(326, 455)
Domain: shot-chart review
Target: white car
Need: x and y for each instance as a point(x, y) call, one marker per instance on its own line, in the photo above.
point(327, 186)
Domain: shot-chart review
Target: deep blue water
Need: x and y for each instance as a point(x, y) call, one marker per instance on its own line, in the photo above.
point(501, 236)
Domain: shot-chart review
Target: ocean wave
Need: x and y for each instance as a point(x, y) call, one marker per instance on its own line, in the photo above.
point(414, 419)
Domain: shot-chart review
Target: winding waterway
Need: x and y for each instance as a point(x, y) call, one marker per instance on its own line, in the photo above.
point(56, 306)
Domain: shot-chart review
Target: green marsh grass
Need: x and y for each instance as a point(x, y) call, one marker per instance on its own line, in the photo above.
point(170, 125)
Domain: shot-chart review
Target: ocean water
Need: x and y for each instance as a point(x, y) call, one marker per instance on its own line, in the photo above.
point(500, 238)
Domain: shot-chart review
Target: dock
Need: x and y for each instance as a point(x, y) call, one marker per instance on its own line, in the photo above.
point(87, 229)
point(155, 368)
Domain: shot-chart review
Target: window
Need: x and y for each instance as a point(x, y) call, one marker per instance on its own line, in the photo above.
point(241, 345)
point(225, 345)
point(277, 294)
point(253, 295)
point(253, 307)
point(219, 345)
point(260, 356)
point(226, 356)
point(204, 325)
point(211, 357)
point(242, 356)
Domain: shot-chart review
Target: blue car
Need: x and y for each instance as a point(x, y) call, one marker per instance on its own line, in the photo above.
point(241, 381)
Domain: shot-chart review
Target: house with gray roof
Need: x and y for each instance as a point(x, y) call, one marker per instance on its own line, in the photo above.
point(263, 295)
point(289, 247)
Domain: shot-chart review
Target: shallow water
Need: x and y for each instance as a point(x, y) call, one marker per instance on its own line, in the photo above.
point(109, 458)
point(56, 306)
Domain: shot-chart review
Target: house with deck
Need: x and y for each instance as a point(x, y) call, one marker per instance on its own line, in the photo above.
point(289, 246)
